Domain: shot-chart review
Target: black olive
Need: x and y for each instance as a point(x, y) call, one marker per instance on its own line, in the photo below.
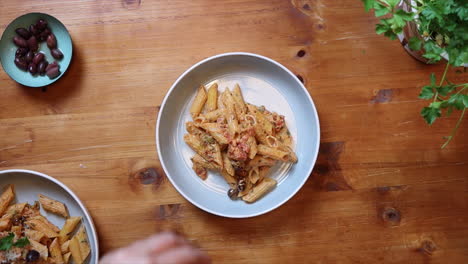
point(232, 193)
point(32, 255)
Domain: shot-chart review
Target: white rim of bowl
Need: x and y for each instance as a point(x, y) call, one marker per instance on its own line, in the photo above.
point(72, 194)
point(317, 125)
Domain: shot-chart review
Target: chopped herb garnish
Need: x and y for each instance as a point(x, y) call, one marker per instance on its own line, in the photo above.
point(7, 242)
point(22, 242)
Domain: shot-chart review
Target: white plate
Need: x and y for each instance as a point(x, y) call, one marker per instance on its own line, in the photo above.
point(28, 184)
point(263, 81)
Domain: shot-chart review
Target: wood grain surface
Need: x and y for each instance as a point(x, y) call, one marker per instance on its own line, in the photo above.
point(382, 189)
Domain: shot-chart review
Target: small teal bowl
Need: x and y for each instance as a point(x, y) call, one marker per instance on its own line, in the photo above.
point(8, 49)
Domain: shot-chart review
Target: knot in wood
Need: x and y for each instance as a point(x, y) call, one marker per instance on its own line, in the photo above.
point(148, 176)
point(391, 215)
point(428, 247)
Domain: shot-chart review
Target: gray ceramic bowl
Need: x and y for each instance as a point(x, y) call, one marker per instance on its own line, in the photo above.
point(263, 82)
point(28, 184)
point(8, 49)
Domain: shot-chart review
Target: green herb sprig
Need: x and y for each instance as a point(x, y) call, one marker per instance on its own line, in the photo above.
point(443, 28)
point(7, 243)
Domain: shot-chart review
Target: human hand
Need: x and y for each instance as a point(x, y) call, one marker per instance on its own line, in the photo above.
point(163, 248)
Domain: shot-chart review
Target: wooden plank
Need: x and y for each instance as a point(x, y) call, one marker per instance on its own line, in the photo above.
point(382, 189)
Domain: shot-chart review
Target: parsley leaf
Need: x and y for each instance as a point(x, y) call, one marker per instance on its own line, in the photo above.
point(415, 43)
point(368, 4)
point(431, 113)
point(457, 100)
point(393, 3)
point(465, 100)
point(7, 242)
point(22, 242)
point(433, 51)
point(445, 90)
point(380, 9)
point(427, 92)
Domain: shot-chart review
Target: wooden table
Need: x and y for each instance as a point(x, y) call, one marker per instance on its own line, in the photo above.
point(381, 191)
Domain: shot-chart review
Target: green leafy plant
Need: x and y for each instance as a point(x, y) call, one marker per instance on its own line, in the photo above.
point(7, 242)
point(443, 29)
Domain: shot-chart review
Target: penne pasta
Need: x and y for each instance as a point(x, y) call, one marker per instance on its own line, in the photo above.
point(227, 164)
point(199, 120)
point(198, 102)
point(254, 175)
point(230, 113)
point(266, 185)
point(291, 155)
point(7, 196)
point(248, 186)
point(15, 209)
point(53, 206)
point(46, 222)
point(253, 147)
point(33, 235)
point(212, 98)
point(68, 228)
point(266, 126)
point(216, 131)
point(75, 250)
point(239, 102)
point(16, 230)
point(285, 137)
point(5, 224)
point(216, 153)
point(260, 160)
point(263, 171)
point(229, 179)
point(42, 249)
point(240, 140)
point(42, 227)
point(250, 120)
point(66, 257)
point(55, 252)
point(204, 163)
point(272, 141)
point(273, 153)
point(65, 247)
point(214, 115)
point(197, 145)
point(83, 243)
point(194, 129)
point(209, 151)
point(200, 170)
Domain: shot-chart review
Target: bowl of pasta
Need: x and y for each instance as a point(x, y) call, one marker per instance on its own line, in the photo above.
point(43, 221)
point(238, 134)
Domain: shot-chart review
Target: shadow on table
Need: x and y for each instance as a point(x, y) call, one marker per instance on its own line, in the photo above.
point(63, 88)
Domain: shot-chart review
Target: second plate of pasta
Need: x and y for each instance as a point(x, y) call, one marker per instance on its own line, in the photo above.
point(238, 134)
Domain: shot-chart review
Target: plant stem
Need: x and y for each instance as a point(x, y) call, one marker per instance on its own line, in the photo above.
point(454, 129)
point(445, 73)
point(441, 81)
point(461, 90)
